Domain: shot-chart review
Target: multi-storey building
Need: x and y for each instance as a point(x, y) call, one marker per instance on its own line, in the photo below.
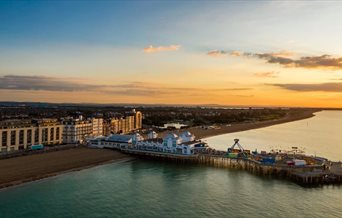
point(77, 130)
point(20, 134)
point(137, 119)
point(132, 121)
point(97, 126)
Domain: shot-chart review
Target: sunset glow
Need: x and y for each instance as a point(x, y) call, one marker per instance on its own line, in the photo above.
point(227, 53)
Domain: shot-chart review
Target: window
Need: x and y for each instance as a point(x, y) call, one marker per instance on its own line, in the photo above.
point(44, 135)
point(13, 137)
point(21, 137)
point(57, 133)
point(36, 136)
point(29, 136)
point(51, 134)
point(4, 138)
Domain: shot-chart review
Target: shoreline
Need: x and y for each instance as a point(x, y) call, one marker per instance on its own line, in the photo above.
point(27, 169)
point(61, 173)
point(292, 115)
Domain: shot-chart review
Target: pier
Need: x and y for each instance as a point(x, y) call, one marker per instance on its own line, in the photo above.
point(309, 175)
point(291, 165)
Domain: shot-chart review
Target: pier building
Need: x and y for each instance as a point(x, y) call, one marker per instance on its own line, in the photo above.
point(171, 143)
point(115, 141)
point(300, 168)
point(152, 135)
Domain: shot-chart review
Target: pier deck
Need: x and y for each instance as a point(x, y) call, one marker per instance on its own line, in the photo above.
point(304, 175)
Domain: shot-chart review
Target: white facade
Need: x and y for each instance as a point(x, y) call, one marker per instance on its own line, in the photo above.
point(187, 136)
point(115, 141)
point(76, 130)
point(152, 135)
point(171, 143)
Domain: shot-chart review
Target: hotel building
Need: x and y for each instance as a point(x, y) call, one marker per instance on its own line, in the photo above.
point(20, 134)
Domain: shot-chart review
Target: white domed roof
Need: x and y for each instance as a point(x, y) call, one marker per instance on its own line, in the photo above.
point(171, 135)
point(187, 134)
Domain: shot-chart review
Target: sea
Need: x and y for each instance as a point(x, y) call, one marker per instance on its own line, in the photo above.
point(143, 188)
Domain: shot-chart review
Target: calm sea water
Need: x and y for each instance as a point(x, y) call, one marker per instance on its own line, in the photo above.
point(141, 188)
point(320, 135)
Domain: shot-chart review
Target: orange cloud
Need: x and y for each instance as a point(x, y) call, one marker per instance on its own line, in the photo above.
point(153, 49)
point(267, 74)
point(284, 54)
point(217, 53)
point(222, 53)
point(235, 53)
point(317, 87)
point(285, 59)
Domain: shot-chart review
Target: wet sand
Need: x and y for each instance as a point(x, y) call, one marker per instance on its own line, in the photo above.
point(18, 170)
point(292, 115)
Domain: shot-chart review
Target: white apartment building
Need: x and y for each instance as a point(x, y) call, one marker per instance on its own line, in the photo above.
point(77, 130)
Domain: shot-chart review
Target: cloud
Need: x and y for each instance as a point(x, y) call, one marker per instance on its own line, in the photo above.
point(43, 83)
point(222, 53)
point(309, 62)
point(284, 54)
point(267, 74)
point(315, 87)
point(217, 53)
point(153, 49)
point(16, 82)
point(237, 89)
point(235, 53)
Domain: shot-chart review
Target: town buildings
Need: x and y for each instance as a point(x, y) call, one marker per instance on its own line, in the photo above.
point(123, 124)
point(77, 130)
point(97, 124)
point(20, 134)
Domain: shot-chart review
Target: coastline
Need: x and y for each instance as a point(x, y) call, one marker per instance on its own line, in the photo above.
point(292, 115)
point(20, 170)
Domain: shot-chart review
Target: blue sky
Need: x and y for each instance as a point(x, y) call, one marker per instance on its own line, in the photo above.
point(199, 24)
point(102, 42)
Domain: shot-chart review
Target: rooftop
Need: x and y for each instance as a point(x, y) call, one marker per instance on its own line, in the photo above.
point(120, 138)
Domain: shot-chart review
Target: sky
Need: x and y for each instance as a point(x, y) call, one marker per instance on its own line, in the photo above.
point(253, 53)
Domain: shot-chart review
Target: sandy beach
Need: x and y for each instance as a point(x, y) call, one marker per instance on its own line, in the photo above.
point(33, 167)
point(18, 170)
